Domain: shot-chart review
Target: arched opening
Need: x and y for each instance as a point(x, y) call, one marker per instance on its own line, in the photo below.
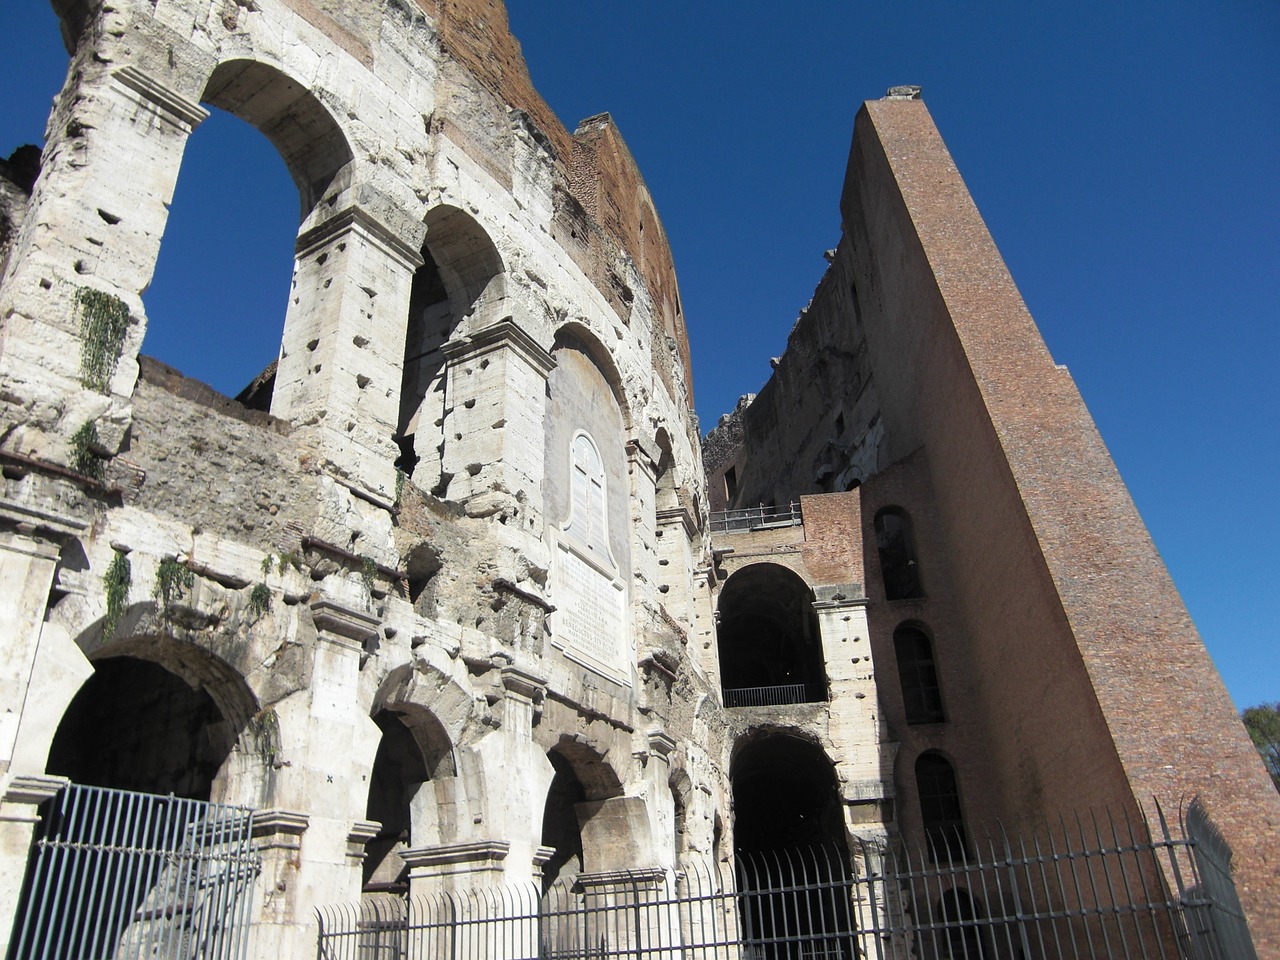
point(136, 726)
point(681, 788)
point(460, 276)
point(784, 795)
point(400, 768)
point(586, 822)
point(132, 851)
point(896, 546)
point(216, 306)
point(962, 915)
point(918, 676)
point(770, 648)
point(793, 862)
point(667, 497)
point(940, 811)
point(560, 830)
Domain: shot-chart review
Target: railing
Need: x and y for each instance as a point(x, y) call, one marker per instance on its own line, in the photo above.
point(755, 518)
point(773, 696)
point(132, 875)
point(1097, 888)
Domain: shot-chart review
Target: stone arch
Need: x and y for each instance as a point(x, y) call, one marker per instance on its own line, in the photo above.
point(460, 284)
point(583, 786)
point(421, 715)
point(785, 791)
point(681, 786)
point(309, 139)
point(163, 715)
point(579, 337)
point(667, 494)
point(767, 635)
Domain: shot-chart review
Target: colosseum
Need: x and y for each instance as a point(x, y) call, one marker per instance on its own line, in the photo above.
point(450, 636)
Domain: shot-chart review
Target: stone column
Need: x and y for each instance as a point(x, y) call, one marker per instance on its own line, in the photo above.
point(865, 766)
point(495, 392)
point(97, 213)
point(661, 805)
point(643, 470)
point(20, 799)
point(676, 532)
point(339, 373)
point(515, 776)
point(327, 747)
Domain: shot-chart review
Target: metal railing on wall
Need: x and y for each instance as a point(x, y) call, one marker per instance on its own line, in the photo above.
point(775, 696)
point(127, 875)
point(1096, 888)
point(755, 518)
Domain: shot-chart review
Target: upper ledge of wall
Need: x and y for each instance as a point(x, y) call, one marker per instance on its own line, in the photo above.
point(603, 176)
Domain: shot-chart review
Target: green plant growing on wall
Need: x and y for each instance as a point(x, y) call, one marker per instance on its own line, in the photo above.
point(267, 563)
point(259, 600)
point(289, 559)
point(173, 580)
point(264, 727)
point(85, 459)
point(104, 321)
point(117, 580)
point(368, 572)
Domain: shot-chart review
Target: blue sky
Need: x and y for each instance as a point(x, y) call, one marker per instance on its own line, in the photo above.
point(1126, 157)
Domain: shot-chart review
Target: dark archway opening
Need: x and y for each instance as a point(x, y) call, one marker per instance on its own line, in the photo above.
point(399, 771)
point(460, 278)
point(917, 675)
point(793, 861)
point(770, 648)
point(431, 320)
point(962, 916)
point(119, 854)
point(136, 726)
point(895, 543)
point(940, 810)
point(560, 830)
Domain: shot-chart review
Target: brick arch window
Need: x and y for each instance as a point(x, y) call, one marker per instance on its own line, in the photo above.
point(921, 695)
point(940, 810)
point(897, 549)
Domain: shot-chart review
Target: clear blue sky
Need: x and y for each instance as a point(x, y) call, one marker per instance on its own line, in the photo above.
point(1126, 157)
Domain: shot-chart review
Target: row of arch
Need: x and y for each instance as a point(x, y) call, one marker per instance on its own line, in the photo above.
point(162, 716)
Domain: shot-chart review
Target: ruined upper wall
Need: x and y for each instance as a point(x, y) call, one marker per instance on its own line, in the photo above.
point(603, 177)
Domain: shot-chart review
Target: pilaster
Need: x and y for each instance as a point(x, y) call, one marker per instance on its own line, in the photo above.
point(20, 799)
point(339, 373)
point(494, 409)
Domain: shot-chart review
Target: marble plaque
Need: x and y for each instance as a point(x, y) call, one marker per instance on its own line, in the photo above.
point(589, 623)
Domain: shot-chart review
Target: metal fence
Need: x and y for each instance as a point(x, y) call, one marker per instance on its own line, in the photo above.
point(755, 518)
point(774, 696)
point(122, 875)
point(1097, 888)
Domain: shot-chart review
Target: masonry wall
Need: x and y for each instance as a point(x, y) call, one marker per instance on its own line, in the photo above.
point(1072, 675)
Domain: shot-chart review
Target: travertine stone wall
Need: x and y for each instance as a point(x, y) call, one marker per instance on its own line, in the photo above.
point(322, 587)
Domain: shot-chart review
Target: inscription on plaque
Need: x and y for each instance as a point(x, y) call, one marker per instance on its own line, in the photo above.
point(588, 621)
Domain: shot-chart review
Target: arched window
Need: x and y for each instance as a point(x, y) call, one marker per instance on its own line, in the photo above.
point(897, 550)
point(588, 513)
point(940, 807)
point(921, 697)
point(769, 643)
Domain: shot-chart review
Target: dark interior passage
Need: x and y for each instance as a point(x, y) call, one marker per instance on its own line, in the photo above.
point(560, 830)
point(768, 638)
point(136, 726)
point(399, 770)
